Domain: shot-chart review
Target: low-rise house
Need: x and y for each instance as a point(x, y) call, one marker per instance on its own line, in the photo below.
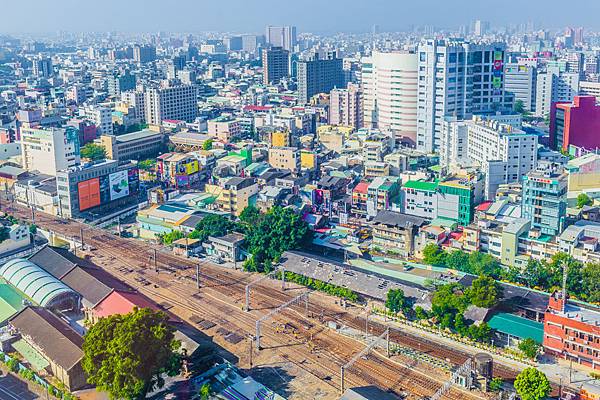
point(55, 341)
point(227, 248)
point(396, 231)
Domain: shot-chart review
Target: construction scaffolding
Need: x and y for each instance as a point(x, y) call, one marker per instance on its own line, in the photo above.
point(262, 278)
point(296, 300)
point(366, 350)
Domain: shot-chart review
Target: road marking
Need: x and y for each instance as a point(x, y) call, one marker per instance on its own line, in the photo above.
point(10, 394)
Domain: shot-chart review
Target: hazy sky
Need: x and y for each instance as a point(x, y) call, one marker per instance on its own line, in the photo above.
point(308, 15)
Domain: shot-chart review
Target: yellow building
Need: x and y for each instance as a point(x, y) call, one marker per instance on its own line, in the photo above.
point(281, 139)
point(235, 194)
point(308, 159)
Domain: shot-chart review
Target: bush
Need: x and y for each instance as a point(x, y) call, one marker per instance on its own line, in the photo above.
point(529, 347)
point(13, 365)
point(496, 384)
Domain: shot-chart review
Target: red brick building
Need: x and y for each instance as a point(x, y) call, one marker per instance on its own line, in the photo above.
point(572, 331)
point(576, 124)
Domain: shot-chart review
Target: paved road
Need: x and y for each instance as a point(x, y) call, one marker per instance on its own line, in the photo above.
point(12, 388)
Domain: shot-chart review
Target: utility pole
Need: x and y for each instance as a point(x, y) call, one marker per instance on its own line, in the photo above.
point(250, 350)
point(155, 262)
point(198, 278)
point(81, 237)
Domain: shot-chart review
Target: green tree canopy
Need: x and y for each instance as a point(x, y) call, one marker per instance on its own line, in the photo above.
point(590, 282)
point(93, 152)
point(532, 384)
point(584, 200)
point(207, 145)
point(433, 255)
point(519, 106)
point(170, 237)
point(278, 230)
point(212, 225)
point(396, 301)
point(457, 259)
point(250, 216)
point(529, 347)
point(147, 164)
point(485, 292)
point(125, 355)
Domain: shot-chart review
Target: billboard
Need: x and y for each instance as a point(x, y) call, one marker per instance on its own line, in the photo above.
point(191, 167)
point(89, 193)
point(119, 185)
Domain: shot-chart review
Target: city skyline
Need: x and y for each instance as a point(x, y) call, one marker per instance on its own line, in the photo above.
point(309, 16)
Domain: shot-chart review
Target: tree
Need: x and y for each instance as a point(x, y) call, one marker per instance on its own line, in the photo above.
point(529, 347)
point(590, 282)
point(433, 255)
point(207, 145)
point(457, 259)
point(584, 200)
point(93, 152)
point(125, 355)
point(420, 313)
point(483, 264)
point(480, 333)
point(532, 384)
point(147, 164)
point(496, 384)
point(212, 225)
point(250, 216)
point(519, 107)
point(205, 391)
point(449, 300)
point(169, 238)
point(279, 230)
point(485, 292)
point(396, 301)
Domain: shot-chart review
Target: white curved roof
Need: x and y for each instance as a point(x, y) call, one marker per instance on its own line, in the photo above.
point(33, 281)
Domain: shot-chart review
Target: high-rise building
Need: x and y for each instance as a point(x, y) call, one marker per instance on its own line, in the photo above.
point(144, 54)
point(520, 80)
point(276, 64)
point(319, 75)
point(42, 67)
point(576, 123)
point(171, 102)
point(457, 78)
point(503, 151)
point(234, 43)
point(480, 28)
point(49, 150)
point(590, 89)
point(544, 199)
point(118, 83)
point(390, 85)
point(251, 43)
point(554, 86)
point(281, 36)
point(100, 116)
point(345, 106)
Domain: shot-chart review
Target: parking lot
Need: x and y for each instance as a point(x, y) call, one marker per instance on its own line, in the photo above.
point(12, 388)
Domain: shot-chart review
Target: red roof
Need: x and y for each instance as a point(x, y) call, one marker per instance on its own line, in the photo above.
point(122, 303)
point(484, 206)
point(257, 108)
point(362, 187)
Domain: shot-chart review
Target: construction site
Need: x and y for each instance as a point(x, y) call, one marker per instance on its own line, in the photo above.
point(300, 343)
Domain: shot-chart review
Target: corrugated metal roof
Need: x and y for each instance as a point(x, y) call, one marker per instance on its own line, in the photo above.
point(33, 281)
point(517, 326)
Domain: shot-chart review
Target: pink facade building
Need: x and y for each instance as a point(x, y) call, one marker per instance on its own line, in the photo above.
point(576, 124)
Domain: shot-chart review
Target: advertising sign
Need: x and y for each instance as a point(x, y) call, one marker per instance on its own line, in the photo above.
point(119, 185)
point(191, 167)
point(89, 194)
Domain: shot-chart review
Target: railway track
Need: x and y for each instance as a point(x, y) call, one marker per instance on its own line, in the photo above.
point(226, 290)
